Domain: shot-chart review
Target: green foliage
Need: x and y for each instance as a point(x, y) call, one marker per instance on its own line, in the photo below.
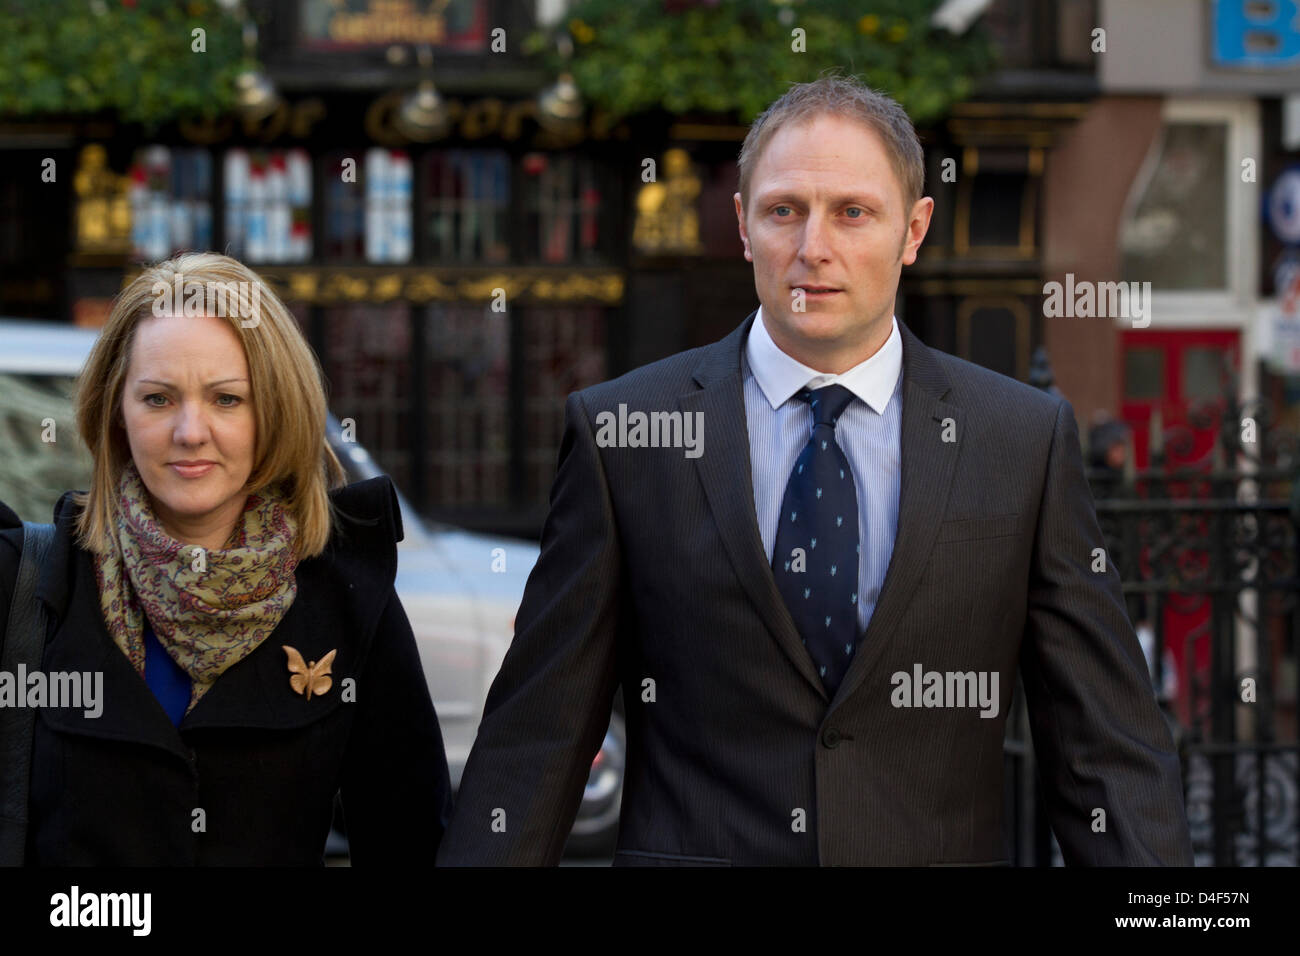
point(131, 56)
point(735, 56)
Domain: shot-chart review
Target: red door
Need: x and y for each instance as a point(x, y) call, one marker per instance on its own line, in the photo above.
point(1170, 373)
point(1175, 386)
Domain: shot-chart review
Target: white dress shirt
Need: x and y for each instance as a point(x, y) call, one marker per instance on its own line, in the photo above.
point(868, 430)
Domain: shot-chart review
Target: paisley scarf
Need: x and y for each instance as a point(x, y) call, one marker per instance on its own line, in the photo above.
point(209, 609)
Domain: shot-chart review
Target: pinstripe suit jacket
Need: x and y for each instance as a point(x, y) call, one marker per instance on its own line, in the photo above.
point(652, 576)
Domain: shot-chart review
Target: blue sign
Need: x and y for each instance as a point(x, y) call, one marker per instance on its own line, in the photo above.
point(1256, 33)
point(1284, 206)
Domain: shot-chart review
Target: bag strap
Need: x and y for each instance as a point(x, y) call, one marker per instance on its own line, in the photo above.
point(24, 643)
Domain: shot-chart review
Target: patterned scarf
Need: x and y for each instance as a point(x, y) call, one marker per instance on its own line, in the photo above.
point(209, 609)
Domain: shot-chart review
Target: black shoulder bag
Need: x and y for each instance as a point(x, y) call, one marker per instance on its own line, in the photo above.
point(23, 643)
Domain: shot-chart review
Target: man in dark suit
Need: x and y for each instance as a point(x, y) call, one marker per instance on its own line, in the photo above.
point(817, 604)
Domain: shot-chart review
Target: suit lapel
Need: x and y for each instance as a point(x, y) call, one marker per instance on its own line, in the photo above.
point(725, 473)
point(723, 470)
point(927, 471)
point(927, 468)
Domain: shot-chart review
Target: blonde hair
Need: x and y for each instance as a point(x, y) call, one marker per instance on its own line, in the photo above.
point(847, 97)
point(289, 406)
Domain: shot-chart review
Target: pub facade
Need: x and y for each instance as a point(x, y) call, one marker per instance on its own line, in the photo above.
point(464, 244)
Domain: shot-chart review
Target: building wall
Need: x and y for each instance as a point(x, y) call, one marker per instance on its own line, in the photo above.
point(1086, 182)
point(1168, 45)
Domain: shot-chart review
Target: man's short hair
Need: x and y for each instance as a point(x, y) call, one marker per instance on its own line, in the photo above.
point(847, 97)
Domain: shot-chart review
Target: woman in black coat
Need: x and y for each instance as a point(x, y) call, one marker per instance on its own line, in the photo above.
point(226, 610)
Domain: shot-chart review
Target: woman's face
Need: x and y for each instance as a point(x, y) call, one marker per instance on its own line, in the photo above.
point(188, 412)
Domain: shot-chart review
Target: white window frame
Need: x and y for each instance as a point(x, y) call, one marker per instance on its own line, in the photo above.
point(1233, 306)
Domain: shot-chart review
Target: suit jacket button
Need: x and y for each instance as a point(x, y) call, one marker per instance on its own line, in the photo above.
point(831, 738)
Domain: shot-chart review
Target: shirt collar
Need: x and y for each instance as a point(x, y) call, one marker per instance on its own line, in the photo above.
point(781, 376)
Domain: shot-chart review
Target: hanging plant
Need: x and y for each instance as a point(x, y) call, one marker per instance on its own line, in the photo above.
point(136, 57)
point(737, 56)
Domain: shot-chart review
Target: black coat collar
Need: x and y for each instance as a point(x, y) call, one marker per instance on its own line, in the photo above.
point(341, 595)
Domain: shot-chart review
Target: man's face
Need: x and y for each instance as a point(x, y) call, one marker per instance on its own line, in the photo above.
point(828, 231)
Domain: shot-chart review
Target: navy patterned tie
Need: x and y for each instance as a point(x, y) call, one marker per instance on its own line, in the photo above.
point(815, 560)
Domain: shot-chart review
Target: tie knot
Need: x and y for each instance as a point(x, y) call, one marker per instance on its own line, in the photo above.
point(828, 403)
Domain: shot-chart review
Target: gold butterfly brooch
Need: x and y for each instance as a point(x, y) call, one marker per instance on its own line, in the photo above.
point(312, 677)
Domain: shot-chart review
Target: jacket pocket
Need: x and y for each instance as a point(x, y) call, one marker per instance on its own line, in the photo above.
point(967, 529)
point(651, 858)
